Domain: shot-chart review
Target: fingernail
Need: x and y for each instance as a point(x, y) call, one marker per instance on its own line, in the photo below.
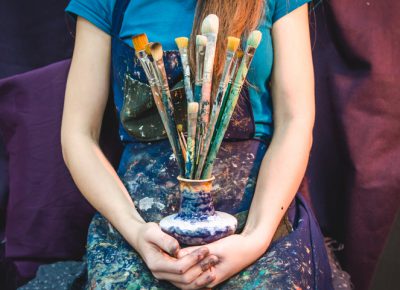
point(201, 253)
point(213, 261)
point(205, 266)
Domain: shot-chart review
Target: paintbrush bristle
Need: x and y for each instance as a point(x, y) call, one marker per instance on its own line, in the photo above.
point(179, 127)
point(210, 24)
point(233, 43)
point(147, 48)
point(140, 41)
point(193, 107)
point(156, 51)
point(239, 53)
point(182, 42)
point(201, 40)
point(254, 38)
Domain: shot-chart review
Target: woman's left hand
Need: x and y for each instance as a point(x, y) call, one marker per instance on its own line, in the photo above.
point(234, 253)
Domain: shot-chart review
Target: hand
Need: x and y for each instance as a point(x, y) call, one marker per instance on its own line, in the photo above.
point(159, 252)
point(234, 253)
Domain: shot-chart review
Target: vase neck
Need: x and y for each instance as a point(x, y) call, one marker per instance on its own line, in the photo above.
point(196, 204)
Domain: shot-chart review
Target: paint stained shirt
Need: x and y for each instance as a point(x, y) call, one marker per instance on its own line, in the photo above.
point(164, 20)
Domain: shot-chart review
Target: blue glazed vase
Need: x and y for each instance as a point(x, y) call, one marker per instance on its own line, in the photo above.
point(197, 222)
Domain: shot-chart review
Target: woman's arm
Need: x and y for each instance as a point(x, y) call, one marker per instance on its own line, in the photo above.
point(284, 164)
point(85, 101)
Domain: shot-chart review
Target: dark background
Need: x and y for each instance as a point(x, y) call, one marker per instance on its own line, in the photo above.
point(354, 171)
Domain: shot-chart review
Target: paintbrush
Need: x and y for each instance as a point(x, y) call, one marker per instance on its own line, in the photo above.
point(193, 109)
point(234, 68)
point(182, 141)
point(139, 43)
point(209, 28)
point(232, 45)
point(181, 136)
point(252, 43)
point(182, 43)
point(170, 126)
point(201, 42)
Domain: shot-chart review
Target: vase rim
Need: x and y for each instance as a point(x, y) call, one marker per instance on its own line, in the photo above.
point(180, 178)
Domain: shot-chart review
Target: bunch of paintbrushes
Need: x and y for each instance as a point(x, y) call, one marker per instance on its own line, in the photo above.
point(208, 117)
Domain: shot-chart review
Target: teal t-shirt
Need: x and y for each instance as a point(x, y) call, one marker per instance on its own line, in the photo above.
point(164, 20)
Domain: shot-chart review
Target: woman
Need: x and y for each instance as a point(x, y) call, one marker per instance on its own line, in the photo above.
point(260, 165)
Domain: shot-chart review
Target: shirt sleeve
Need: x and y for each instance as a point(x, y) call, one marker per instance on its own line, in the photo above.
point(98, 12)
point(284, 7)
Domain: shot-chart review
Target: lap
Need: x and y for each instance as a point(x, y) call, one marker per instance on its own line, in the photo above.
point(291, 262)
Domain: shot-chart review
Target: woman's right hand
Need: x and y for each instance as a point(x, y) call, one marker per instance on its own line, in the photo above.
point(159, 252)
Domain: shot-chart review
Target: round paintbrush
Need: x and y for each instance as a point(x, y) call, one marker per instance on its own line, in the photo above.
point(252, 43)
point(182, 43)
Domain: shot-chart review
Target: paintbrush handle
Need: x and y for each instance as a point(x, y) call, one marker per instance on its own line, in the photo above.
point(228, 111)
point(186, 74)
point(191, 140)
point(169, 109)
point(216, 108)
point(197, 93)
point(160, 104)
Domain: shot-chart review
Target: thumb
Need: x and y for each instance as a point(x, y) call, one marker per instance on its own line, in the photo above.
point(166, 242)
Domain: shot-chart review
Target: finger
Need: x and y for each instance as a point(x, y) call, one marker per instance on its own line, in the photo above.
point(190, 274)
point(186, 251)
point(179, 266)
point(165, 242)
point(202, 281)
point(191, 259)
point(208, 262)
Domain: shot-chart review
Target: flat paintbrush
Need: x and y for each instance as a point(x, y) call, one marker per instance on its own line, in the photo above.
point(182, 43)
point(232, 45)
point(252, 43)
point(170, 126)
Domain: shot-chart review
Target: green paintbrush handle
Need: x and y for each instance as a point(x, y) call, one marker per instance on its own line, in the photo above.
point(226, 116)
point(197, 93)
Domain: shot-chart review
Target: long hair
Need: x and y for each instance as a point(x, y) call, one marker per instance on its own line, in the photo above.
point(236, 18)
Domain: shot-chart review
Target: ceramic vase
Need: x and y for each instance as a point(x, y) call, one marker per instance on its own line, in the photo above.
point(197, 222)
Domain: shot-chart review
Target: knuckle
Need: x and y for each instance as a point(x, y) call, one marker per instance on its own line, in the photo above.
point(156, 275)
point(186, 279)
point(181, 269)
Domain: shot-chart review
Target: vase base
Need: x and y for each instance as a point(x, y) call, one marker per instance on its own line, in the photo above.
point(199, 231)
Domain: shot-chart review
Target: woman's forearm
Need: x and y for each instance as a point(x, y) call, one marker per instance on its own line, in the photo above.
point(100, 184)
point(280, 175)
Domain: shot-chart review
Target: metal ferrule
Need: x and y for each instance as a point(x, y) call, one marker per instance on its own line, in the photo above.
point(186, 73)
point(200, 53)
point(147, 67)
point(226, 72)
point(243, 68)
